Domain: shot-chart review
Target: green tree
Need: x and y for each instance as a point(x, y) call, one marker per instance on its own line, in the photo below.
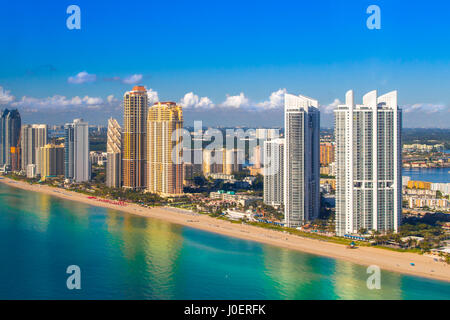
point(200, 180)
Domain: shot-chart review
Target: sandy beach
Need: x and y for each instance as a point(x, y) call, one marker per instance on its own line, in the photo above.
point(425, 266)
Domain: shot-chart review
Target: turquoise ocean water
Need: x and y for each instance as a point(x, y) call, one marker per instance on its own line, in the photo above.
point(122, 256)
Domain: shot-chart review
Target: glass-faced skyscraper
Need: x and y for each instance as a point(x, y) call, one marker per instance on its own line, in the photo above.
point(10, 124)
point(301, 160)
point(76, 151)
point(81, 164)
point(135, 103)
point(368, 164)
point(68, 150)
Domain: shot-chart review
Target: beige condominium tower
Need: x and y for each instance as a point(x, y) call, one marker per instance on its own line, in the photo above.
point(134, 138)
point(33, 136)
point(114, 154)
point(224, 161)
point(51, 160)
point(165, 167)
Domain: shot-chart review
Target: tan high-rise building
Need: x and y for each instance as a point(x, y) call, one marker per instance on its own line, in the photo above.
point(135, 103)
point(234, 158)
point(165, 166)
point(15, 158)
point(114, 154)
point(51, 160)
point(257, 159)
point(225, 161)
point(213, 161)
point(326, 153)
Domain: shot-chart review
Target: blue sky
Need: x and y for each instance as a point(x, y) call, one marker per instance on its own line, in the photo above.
point(233, 54)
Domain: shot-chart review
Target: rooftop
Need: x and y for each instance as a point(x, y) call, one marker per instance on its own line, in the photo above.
point(139, 88)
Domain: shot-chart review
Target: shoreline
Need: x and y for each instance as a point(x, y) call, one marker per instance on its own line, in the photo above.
point(387, 260)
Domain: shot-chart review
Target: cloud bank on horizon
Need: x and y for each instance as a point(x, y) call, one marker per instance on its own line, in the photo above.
point(233, 110)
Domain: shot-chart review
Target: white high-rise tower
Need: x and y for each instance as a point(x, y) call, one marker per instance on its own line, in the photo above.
point(33, 136)
point(368, 164)
point(274, 172)
point(301, 160)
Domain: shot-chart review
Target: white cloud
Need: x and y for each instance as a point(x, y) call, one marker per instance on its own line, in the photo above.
point(111, 99)
point(92, 100)
point(236, 101)
point(57, 102)
point(414, 113)
point(276, 100)
point(425, 108)
point(329, 108)
point(82, 77)
point(133, 79)
point(191, 100)
point(5, 96)
point(152, 96)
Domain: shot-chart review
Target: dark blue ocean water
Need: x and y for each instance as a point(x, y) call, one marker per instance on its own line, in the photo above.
point(441, 175)
point(122, 256)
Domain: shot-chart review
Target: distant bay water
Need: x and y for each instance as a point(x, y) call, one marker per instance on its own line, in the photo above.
point(439, 175)
point(122, 256)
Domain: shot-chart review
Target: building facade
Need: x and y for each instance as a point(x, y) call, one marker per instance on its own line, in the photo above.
point(165, 156)
point(274, 172)
point(68, 151)
point(267, 134)
point(192, 163)
point(225, 161)
point(51, 161)
point(81, 162)
point(326, 153)
point(368, 164)
point(114, 154)
point(10, 123)
point(258, 156)
point(77, 166)
point(213, 160)
point(98, 158)
point(301, 160)
point(32, 137)
point(234, 159)
point(134, 163)
point(31, 170)
point(15, 158)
